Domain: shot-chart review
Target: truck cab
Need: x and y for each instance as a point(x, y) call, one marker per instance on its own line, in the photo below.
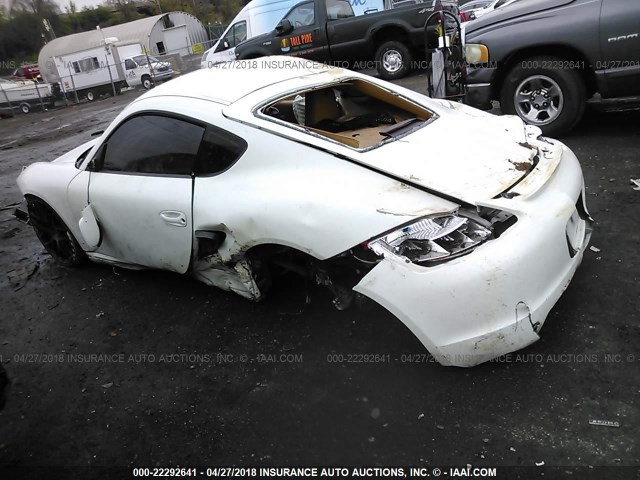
point(259, 17)
point(145, 70)
point(330, 31)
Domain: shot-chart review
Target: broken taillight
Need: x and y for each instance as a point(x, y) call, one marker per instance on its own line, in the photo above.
point(434, 239)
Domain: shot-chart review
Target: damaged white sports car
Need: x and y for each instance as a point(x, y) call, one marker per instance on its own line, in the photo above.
point(466, 226)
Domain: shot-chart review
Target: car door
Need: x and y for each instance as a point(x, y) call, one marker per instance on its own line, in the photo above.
point(226, 49)
point(346, 33)
point(140, 190)
point(308, 37)
point(130, 68)
point(620, 45)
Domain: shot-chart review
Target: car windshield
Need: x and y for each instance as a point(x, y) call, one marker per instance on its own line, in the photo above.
point(142, 59)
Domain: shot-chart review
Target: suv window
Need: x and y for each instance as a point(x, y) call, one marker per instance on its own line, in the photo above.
point(302, 15)
point(219, 150)
point(153, 144)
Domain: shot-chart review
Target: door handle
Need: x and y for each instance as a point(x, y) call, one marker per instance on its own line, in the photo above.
point(173, 217)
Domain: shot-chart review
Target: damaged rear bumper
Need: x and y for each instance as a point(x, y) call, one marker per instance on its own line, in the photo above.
point(496, 299)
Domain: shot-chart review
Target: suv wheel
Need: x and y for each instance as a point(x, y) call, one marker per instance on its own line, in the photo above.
point(549, 98)
point(393, 60)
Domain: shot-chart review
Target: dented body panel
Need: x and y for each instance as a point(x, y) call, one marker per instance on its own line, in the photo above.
point(488, 201)
point(496, 300)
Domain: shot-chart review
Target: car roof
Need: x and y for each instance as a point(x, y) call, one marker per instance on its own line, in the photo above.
point(229, 82)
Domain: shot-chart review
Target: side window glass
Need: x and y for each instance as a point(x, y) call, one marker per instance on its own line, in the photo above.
point(219, 150)
point(302, 16)
point(337, 9)
point(239, 33)
point(153, 144)
point(129, 65)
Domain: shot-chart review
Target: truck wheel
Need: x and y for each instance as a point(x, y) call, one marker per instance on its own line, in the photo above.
point(552, 99)
point(146, 82)
point(25, 108)
point(393, 60)
point(54, 234)
point(91, 95)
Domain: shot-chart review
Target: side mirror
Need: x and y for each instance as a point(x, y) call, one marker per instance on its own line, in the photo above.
point(284, 27)
point(222, 46)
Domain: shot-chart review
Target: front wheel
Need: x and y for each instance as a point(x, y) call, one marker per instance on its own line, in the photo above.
point(25, 108)
point(91, 95)
point(146, 82)
point(54, 234)
point(393, 60)
point(550, 98)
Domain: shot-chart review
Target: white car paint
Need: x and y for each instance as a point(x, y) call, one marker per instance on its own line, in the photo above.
point(296, 189)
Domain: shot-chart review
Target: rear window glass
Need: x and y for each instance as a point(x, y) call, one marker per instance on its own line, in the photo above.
point(355, 113)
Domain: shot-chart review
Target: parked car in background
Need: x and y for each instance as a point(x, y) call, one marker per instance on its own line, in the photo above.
point(495, 4)
point(329, 31)
point(27, 72)
point(261, 16)
point(362, 194)
point(542, 59)
point(472, 7)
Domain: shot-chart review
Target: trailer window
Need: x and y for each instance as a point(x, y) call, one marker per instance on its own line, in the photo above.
point(86, 65)
point(355, 113)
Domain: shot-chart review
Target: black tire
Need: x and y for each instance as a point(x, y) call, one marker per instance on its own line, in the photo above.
point(54, 235)
point(393, 60)
point(91, 95)
point(25, 108)
point(554, 114)
point(147, 83)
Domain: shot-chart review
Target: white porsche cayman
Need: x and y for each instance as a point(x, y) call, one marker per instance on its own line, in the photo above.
point(466, 226)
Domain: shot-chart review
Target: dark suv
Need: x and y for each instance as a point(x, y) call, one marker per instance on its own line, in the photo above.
point(542, 59)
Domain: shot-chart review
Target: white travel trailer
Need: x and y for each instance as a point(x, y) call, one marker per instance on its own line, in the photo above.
point(261, 16)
